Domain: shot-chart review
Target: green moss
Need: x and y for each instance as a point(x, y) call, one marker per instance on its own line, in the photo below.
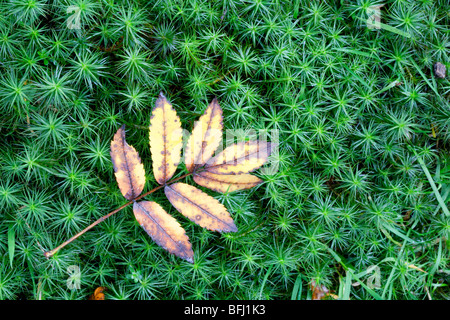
point(348, 102)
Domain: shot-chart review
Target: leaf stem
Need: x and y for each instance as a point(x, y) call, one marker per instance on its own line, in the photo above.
point(50, 253)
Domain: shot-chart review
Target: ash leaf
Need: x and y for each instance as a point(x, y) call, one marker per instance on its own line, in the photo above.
point(128, 168)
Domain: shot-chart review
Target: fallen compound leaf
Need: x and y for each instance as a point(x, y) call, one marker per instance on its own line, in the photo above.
point(242, 157)
point(224, 173)
point(163, 229)
point(205, 138)
point(98, 294)
point(226, 182)
point(165, 140)
point(128, 168)
point(200, 207)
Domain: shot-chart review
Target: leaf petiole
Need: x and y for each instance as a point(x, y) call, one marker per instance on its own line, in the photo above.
point(50, 253)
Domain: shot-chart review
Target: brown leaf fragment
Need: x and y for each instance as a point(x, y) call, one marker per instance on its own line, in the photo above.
point(226, 182)
point(205, 138)
point(439, 70)
point(242, 157)
point(200, 207)
point(163, 229)
point(128, 168)
point(98, 294)
point(319, 291)
point(165, 140)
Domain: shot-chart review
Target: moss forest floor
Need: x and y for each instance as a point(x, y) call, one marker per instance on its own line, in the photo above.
point(357, 205)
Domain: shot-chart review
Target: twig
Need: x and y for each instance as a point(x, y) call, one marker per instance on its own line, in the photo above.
point(221, 77)
point(50, 253)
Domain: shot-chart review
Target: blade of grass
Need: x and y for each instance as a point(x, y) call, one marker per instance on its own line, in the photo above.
point(424, 77)
point(356, 76)
point(297, 290)
point(341, 288)
point(296, 7)
point(435, 267)
point(391, 85)
point(390, 28)
point(347, 286)
point(389, 236)
point(375, 295)
point(445, 195)
point(438, 259)
point(264, 281)
point(431, 181)
point(353, 276)
point(11, 244)
point(388, 284)
point(398, 233)
point(308, 295)
point(361, 53)
point(394, 30)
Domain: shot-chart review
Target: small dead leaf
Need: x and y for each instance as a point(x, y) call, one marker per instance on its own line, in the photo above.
point(128, 168)
point(439, 70)
point(205, 138)
point(416, 268)
point(226, 182)
point(163, 229)
point(200, 207)
point(407, 215)
point(98, 294)
point(242, 157)
point(318, 291)
point(165, 140)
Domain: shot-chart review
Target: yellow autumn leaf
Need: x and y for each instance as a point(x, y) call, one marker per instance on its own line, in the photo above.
point(200, 207)
point(128, 168)
point(242, 157)
point(163, 229)
point(205, 138)
point(226, 182)
point(165, 140)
